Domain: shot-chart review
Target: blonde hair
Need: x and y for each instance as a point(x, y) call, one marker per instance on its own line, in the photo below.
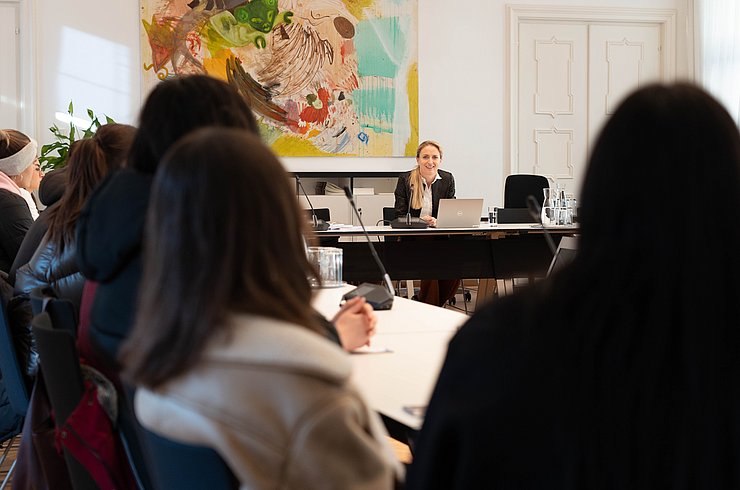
point(415, 180)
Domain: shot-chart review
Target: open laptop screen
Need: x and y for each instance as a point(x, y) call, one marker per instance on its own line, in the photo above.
point(459, 213)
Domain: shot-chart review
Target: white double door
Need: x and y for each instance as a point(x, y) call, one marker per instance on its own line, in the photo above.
point(10, 90)
point(569, 77)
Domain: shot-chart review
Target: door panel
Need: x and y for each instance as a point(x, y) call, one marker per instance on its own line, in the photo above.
point(553, 103)
point(10, 107)
point(621, 59)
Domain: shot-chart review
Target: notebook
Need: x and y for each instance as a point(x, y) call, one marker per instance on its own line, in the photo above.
point(459, 213)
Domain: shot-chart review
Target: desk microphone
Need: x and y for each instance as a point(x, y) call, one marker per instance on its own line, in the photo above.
point(379, 297)
point(318, 224)
point(409, 222)
point(535, 210)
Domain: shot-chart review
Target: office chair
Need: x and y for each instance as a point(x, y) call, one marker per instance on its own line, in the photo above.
point(171, 464)
point(183, 466)
point(63, 317)
point(515, 215)
point(63, 382)
point(518, 186)
point(62, 312)
point(389, 214)
point(321, 213)
point(15, 387)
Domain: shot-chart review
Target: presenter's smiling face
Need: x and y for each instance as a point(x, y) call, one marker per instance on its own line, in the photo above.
point(429, 160)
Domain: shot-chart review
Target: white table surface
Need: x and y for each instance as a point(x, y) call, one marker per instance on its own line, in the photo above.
point(417, 335)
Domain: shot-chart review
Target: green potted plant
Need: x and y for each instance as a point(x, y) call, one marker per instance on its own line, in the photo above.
point(54, 155)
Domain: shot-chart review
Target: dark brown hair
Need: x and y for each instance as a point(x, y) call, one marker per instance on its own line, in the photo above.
point(90, 160)
point(655, 351)
point(224, 235)
point(11, 142)
point(180, 105)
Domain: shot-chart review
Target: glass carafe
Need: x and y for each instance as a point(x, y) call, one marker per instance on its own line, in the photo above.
point(548, 207)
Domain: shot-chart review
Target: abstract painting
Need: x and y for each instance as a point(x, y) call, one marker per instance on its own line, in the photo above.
point(323, 77)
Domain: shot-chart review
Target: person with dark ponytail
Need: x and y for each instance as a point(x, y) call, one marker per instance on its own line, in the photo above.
point(54, 263)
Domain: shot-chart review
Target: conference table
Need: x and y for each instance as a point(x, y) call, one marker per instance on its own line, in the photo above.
point(501, 252)
point(397, 373)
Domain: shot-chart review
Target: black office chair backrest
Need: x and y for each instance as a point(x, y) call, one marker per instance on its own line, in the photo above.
point(183, 466)
point(389, 214)
point(515, 215)
point(62, 312)
point(517, 187)
point(62, 376)
point(12, 373)
point(321, 213)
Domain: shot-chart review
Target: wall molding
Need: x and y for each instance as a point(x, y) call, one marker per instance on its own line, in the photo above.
point(520, 14)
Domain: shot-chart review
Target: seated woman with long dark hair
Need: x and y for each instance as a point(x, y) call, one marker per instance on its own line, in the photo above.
point(226, 348)
point(54, 264)
point(622, 371)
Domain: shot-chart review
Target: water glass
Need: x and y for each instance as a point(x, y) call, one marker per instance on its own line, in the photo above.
point(328, 262)
point(492, 215)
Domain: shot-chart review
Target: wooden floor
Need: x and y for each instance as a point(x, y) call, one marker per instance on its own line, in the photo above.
point(9, 461)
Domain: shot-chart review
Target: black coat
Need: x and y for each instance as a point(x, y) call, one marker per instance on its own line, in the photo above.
point(48, 267)
point(50, 191)
point(499, 416)
point(15, 220)
point(109, 238)
point(444, 188)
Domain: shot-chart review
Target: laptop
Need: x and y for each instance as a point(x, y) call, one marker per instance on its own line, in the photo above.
point(564, 255)
point(459, 213)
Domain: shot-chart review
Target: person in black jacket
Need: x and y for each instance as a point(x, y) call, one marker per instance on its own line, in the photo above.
point(621, 371)
point(18, 172)
point(110, 227)
point(418, 192)
point(54, 263)
point(51, 189)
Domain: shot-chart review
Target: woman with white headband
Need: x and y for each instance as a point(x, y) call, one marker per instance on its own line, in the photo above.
point(19, 173)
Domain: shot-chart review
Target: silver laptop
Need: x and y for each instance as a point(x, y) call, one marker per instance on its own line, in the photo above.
point(459, 213)
point(564, 255)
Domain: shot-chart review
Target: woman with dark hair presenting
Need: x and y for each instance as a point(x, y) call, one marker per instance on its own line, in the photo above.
point(622, 370)
point(226, 349)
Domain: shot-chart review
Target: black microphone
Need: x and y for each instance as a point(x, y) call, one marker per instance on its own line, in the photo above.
point(318, 224)
point(408, 222)
point(379, 297)
point(535, 210)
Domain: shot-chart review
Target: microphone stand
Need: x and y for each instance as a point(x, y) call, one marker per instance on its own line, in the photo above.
point(535, 210)
point(409, 222)
point(379, 297)
point(318, 224)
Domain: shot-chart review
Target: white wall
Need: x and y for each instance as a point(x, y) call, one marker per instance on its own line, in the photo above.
point(88, 51)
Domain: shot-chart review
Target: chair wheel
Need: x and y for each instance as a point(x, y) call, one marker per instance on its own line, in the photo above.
point(468, 296)
point(451, 301)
